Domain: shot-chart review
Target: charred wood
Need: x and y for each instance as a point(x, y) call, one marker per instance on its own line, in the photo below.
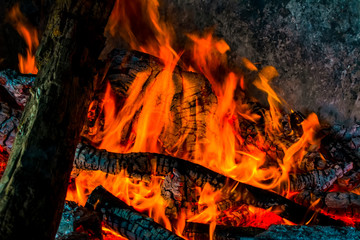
point(338, 152)
point(336, 203)
point(33, 187)
point(143, 165)
point(77, 221)
point(125, 219)
point(9, 122)
point(18, 87)
point(200, 231)
point(192, 104)
point(319, 179)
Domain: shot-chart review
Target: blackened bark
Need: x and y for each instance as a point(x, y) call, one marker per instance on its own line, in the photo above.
point(33, 188)
point(200, 231)
point(143, 165)
point(125, 219)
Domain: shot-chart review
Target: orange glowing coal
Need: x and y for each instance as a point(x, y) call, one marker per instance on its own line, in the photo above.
point(30, 35)
point(222, 149)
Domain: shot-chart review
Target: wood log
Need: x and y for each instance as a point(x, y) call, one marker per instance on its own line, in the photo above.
point(335, 203)
point(125, 219)
point(9, 122)
point(77, 220)
point(33, 187)
point(143, 165)
point(200, 231)
point(192, 104)
point(339, 153)
point(17, 86)
point(319, 179)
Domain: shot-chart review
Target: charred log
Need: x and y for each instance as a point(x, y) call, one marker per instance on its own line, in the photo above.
point(336, 203)
point(9, 122)
point(200, 231)
point(125, 219)
point(18, 87)
point(33, 187)
point(142, 165)
point(77, 221)
point(319, 179)
point(192, 103)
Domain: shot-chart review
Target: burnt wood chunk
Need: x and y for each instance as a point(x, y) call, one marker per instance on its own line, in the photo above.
point(335, 203)
point(143, 165)
point(193, 100)
point(33, 187)
point(319, 179)
point(125, 219)
point(200, 231)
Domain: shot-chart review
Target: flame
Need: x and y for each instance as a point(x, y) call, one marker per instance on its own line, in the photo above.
point(30, 35)
point(208, 199)
point(144, 197)
point(109, 234)
point(145, 116)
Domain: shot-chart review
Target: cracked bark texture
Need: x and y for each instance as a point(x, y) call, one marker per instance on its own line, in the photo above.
point(125, 219)
point(142, 165)
point(33, 187)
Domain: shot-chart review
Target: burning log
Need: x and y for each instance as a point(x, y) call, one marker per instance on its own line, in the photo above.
point(77, 221)
point(200, 231)
point(319, 179)
point(33, 187)
point(125, 219)
point(337, 203)
point(143, 165)
point(337, 152)
point(192, 104)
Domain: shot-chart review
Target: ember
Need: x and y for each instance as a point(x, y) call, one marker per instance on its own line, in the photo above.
point(173, 146)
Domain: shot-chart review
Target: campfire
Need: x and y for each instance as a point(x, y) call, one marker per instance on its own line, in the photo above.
point(144, 138)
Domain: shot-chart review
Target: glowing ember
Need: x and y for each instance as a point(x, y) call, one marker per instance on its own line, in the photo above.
point(30, 35)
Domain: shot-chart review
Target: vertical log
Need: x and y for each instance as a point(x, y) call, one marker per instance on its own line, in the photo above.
point(33, 188)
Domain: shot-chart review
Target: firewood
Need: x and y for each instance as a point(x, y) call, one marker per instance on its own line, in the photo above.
point(77, 220)
point(9, 122)
point(350, 136)
point(33, 187)
point(125, 219)
point(143, 165)
point(338, 152)
point(17, 86)
point(336, 203)
point(200, 231)
point(192, 104)
point(319, 179)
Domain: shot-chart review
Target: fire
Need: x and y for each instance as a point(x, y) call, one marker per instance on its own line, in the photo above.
point(207, 200)
point(145, 117)
point(142, 196)
point(30, 35)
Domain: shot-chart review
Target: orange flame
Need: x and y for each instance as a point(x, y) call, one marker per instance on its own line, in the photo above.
point(146, 115)
point(30, 35)
point(207, 200)
point(142, 196)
